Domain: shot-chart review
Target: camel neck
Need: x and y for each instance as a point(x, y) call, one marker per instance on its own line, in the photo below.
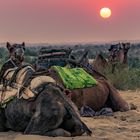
point(125, 58)
point(15, 63)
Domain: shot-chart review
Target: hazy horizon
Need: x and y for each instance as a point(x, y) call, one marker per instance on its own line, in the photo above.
point(63, 21)
point(72, 43)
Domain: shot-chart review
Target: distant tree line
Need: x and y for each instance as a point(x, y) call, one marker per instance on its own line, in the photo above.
point(31, 53)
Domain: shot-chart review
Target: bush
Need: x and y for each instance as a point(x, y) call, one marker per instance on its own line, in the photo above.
point(125, 79)
point(30, 52)
point(30, 59)
point(134, 62)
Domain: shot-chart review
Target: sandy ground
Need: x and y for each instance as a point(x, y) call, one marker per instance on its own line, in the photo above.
point(123, 125)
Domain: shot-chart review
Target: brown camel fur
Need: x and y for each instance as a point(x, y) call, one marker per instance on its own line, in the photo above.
point(99, 63)
point(102, 95)
point(97, 97)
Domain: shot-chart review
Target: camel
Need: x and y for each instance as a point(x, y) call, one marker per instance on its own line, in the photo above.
point(104, 94)
point(37, 105)
point(16, 57)
point(117, 57)
point(41, 108)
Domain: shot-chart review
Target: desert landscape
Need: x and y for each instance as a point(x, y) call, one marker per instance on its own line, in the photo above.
point(102, 37)
point(122, 125)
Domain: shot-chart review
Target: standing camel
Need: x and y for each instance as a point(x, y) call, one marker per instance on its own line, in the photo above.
point(117, 57)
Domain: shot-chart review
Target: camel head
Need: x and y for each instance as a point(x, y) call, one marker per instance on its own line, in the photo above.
point(118, 52)
point(126, 47)
point(113, 52)
point(16, 51)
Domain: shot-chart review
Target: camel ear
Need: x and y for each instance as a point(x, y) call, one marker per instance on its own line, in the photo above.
point(23, 44)
point(72, 57)
point(123, 44)
point(8, 45)
point(111, 47)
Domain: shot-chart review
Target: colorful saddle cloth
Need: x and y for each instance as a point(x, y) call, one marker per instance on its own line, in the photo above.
point(75, 78)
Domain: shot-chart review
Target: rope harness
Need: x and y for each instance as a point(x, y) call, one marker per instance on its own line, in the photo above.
point(24, 89)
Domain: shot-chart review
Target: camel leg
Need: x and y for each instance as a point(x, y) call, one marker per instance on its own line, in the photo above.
point(58, 132)
point(116, 101)
point(45, 118)
point(54, 133)
point(2, 121)
point(71, 125)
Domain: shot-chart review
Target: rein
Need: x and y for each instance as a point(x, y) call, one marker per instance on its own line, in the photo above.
point(13, 78)
point(26, 84)
point(13, 62)
point(87, 68)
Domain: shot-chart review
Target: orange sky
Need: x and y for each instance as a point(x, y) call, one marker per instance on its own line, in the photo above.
point(59, 21)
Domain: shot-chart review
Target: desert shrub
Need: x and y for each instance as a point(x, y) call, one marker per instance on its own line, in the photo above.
point(3, 55)
point(30, 52)
point(30, 55)
point(30, 59)
point(125, 79)
point(134, 62)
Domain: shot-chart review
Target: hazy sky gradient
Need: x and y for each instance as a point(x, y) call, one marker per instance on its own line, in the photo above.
point(58, 21)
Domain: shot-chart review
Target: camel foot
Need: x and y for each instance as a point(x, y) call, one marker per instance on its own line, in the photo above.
point(58, 132)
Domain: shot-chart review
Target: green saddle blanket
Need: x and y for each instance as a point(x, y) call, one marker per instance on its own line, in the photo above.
point(75, 78)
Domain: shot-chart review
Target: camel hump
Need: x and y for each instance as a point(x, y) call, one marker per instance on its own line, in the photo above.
point(75, 77)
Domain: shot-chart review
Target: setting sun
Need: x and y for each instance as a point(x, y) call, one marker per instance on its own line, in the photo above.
point(105, 12)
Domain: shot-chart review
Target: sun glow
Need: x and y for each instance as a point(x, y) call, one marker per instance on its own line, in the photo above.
point(105, 12)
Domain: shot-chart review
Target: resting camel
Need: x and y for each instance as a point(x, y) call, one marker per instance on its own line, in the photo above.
point(117, 56)
point(38, 106)
point(40, 109)
point(102, 95)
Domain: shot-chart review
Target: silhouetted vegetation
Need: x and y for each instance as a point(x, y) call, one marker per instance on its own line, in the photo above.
point(127, 78)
